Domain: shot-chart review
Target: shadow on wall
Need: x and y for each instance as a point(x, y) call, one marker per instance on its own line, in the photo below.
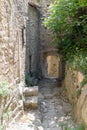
point(32, 66)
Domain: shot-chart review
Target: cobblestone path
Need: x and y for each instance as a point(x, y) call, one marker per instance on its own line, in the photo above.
point(54, 112)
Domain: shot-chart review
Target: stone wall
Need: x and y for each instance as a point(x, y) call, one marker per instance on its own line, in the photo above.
point(12, 39)
point(38, 38)
point(14, 17)
point(46, 38)
point(11, 104)
point(32, 46)
point(17, 32)
point(76, 93)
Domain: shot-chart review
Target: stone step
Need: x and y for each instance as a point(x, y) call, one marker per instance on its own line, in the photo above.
point(30, 91)
point(30, 102)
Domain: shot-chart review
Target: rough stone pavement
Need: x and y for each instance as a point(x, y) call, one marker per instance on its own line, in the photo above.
point(54, 112)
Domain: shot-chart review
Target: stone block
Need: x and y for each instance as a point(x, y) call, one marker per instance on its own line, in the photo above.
point(31, 91)
point(31, 102)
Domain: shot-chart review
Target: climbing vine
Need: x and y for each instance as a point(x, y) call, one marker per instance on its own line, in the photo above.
point(68, 21)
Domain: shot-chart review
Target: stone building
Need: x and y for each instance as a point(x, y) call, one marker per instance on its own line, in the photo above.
point(12, 39)
point(24, 41)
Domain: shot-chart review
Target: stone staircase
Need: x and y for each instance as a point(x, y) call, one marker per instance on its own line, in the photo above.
point(30, 97)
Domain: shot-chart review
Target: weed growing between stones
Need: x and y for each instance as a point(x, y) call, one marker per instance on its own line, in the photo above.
point(9, 96)
point(4, 93)
point(65, 126)
point(83, 83)
point(29, 80)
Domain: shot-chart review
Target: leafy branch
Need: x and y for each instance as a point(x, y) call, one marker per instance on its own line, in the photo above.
point(68, 21)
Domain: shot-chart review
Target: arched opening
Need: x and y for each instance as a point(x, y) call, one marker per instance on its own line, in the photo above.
point(51, 65)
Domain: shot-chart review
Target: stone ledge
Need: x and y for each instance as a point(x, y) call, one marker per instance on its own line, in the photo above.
point(31, 91)
point(31, 102)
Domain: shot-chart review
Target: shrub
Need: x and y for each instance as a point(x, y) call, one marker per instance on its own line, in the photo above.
point(68, 21)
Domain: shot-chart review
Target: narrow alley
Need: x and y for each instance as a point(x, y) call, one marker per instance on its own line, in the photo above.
point(39, 40)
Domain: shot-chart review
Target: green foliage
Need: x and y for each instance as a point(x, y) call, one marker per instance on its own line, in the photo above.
point(68, 21)
point(5, 114)
point(4, 89)
point(78, 92)
point(38, 0)
point(65, 89)
point(84, 81)
point(83, 2)
point(1, 127)
point(81, 126)
point(66, 127)
point(78, 61)
point(28, 80)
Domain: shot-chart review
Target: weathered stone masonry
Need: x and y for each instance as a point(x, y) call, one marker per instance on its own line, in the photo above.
point(73, 86)
point(23, 38)
point(33, 43)
point(12, 39)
